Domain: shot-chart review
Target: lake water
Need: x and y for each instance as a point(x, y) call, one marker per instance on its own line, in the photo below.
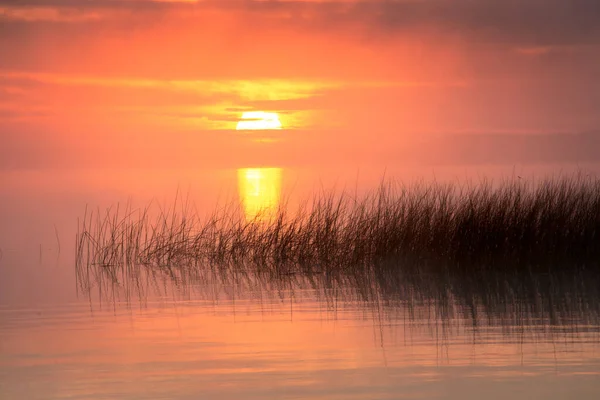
point(276, 341)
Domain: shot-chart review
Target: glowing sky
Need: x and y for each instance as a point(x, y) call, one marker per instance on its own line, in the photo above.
point(142, 82)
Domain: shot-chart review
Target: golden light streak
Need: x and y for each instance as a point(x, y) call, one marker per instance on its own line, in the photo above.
point(260, 192)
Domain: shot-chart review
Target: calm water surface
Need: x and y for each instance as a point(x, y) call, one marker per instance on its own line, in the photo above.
point(202, 342)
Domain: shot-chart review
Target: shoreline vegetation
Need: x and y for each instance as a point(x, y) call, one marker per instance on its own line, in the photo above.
point(514, 252)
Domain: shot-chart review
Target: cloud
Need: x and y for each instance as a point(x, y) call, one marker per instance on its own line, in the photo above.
point(525, 22)
point(412, 40)
point(215, 100)
point(11, 113)
point(515, 148)
point(117, 103)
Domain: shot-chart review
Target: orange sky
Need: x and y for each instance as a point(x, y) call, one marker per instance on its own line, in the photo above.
point(147, 83)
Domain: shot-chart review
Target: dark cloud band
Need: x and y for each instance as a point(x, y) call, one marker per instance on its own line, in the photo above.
point(530, 22)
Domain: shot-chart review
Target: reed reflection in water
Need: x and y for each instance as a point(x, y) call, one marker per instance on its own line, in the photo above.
point(260, 192)
point(519, 257)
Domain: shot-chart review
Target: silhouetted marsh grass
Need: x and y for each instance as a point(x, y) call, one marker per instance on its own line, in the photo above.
point(553, 225)
point(514, 254)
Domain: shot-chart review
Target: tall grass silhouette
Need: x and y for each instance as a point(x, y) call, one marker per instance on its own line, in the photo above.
point(514, 254)
point(553, 225)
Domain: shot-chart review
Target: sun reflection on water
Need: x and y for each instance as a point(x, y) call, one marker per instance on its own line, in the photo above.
point(260, 192)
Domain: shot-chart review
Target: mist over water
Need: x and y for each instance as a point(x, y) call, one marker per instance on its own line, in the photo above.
point(77, 331)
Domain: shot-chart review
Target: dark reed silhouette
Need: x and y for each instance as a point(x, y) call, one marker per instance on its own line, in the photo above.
point(553, 225)
point(512, 254)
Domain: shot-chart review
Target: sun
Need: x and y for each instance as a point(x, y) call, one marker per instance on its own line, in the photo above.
point(258, 120)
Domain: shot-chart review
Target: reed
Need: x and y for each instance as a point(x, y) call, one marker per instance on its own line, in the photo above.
point(553, 225)
point(514, 254)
